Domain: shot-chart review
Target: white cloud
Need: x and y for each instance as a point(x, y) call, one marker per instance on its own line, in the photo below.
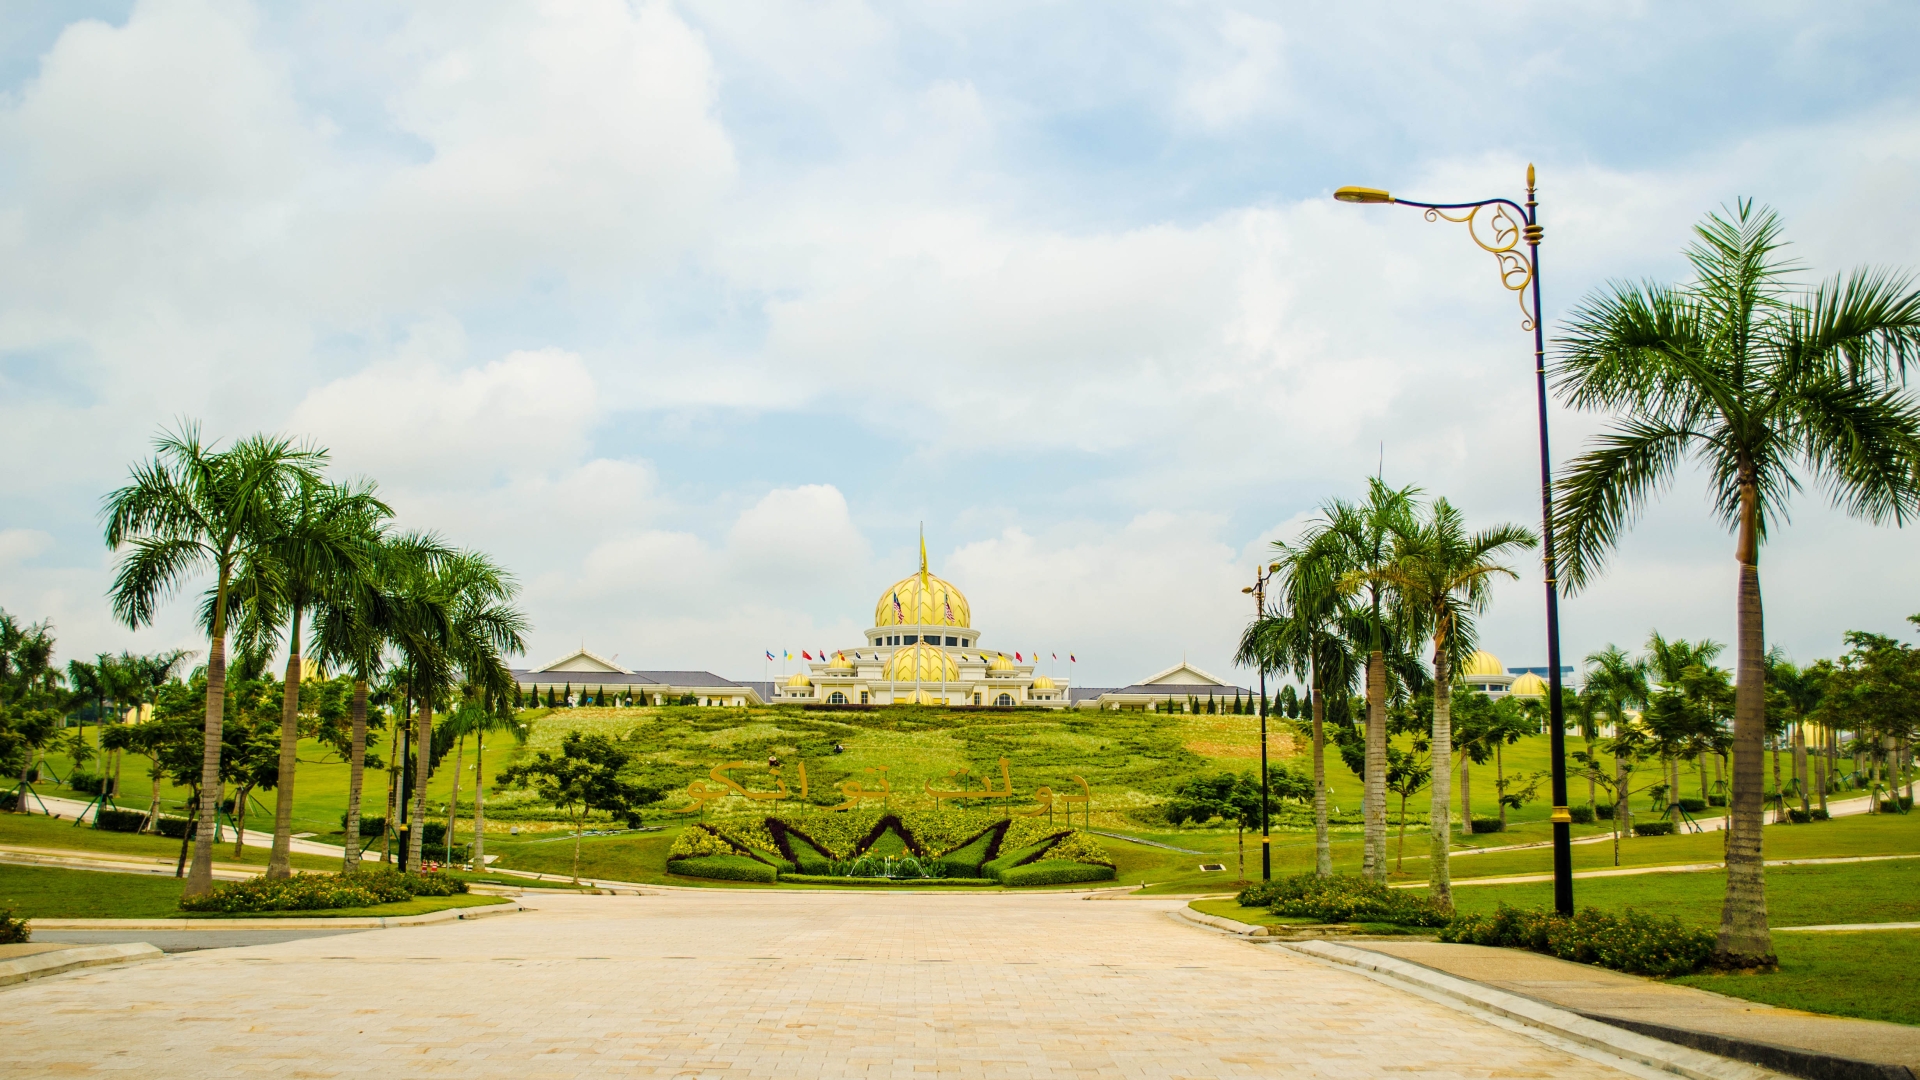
point(1236, 74)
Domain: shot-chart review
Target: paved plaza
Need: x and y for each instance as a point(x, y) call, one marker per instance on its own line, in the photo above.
point(737, 983)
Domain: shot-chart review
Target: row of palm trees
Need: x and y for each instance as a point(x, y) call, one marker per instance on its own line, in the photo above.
point(1758, 383)
point(301, 562)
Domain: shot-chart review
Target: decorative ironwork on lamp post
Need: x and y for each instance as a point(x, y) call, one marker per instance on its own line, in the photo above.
point(1259, 592)
point(1509, 225)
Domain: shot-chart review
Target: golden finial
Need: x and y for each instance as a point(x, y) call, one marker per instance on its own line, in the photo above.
point(1529, 176)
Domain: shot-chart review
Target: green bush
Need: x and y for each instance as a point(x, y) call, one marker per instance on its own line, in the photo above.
point(1581, 815)
point(724, 868)
point(1007, 860)
point(1260, 893)
point(1895, 806)
point(173, 828)
point(1054, 872)
point(884, 883)
point(316, 892)
point(1716, 800)
point(1489, 825)
point(1632, 941)
point(1603, 811)
point(1653, 828)
point(1345, 898)
point(13, 931)
point(119, 820)
point(370, 827)
point(87, 782)
point(1802, 817)
point(1692, 806)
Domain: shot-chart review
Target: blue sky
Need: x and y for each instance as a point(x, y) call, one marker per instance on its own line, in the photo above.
point(692, 313)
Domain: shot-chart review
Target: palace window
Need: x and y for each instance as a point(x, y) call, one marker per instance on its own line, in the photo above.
point(863, 697)
point(1003, 699)
point(953, 641)
point(976, 699)
point(836, 698)
point(909, 639)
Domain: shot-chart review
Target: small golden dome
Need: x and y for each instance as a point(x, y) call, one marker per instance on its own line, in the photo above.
point(1528, 685)
point(1042, 683)
point(800, 679)
point(1000, 663)
point(839, 663)
point(921, 663)
point(1482, 663)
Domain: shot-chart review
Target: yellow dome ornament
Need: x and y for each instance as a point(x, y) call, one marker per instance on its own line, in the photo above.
point(1528, 685)
point(840, 663)
point(1041, 682)
point(800, 679)
point(1481, 663)
point(920, 663)
point(1000, 663)
point(922, 600)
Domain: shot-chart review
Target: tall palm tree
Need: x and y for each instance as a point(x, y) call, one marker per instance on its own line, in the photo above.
point(324, 540)
point(1359, 536)
point(194, 509)
point(1760, 383)
point(1617, 682)
point(1446, 573)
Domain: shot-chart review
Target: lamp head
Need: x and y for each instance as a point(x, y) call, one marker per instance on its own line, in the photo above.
point(1362, 195)
point(1248, 589)
point(1273, 568)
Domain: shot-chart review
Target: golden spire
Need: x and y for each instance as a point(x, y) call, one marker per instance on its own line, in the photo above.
point(923, 557)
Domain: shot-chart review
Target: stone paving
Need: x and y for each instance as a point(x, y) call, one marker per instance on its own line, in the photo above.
point(737, 983)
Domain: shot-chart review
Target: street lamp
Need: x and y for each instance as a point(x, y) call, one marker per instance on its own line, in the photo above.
point(1508, 225)
point(1258, 590)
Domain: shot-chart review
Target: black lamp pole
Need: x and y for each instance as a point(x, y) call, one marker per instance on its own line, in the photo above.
point(1509, 225)
point(1259, 591)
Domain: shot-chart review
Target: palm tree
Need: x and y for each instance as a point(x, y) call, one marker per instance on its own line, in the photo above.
point(1446, 573)
point(195, 509)
point(1759, 383)
point(323, 540)
point(1360, 537)
point(1617, 682)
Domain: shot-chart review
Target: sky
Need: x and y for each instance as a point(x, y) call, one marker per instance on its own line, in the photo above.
point(692, 314)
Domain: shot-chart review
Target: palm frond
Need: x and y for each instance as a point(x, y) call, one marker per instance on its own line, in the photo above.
point(1602, 491)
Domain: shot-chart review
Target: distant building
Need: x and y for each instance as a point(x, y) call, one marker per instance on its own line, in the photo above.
point(586, 675)
point(1180, 688)
point(1483, 672)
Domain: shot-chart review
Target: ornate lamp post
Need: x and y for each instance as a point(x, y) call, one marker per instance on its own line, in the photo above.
point(1258, 590)
point(1508, 225)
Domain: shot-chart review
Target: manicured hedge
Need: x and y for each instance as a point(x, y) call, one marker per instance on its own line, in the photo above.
point(1716, 800)
point(724, 868)
point(1631, 941)
point(119, 820)
point(1603, 811)
point(1054, 872)
point(313, 892)
point(1348, 898)
point(1802, 817)
point(885, 883)
point(1692, 806)
point(1010, 859)
point(373, 827)
point(1581, 815)
point(1895, 806)
point(1489, 825)
point(173, 828)
point(1653, 828)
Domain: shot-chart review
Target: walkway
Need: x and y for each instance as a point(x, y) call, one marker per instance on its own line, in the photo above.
point(724, 983)
point(72, 809)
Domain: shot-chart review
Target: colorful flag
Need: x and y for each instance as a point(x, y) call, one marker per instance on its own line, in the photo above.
point(1071, 659)
point(1020, 658)
point(789, 655)
point(949, 606)
point(898, 616)
point(770, 656)
point(1056, 656)
point(804, 655)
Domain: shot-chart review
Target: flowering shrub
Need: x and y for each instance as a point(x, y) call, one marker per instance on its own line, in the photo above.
point(13, 931)
point(1080, 847)
point(697, 841)
point(318, 892)
point(1631, 941)
point(1345, 898)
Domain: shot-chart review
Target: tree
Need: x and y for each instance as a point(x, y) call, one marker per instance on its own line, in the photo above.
point(1233, 796)
point(1793, 695)
point(1474, 728)
point(1513, 719)
point(583, 778)
point(1875, 691)
point(1616, 682)
point(194, 509)
point(1760, 383)
point(1445, 573)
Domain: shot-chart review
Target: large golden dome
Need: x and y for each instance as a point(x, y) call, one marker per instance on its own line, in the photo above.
point(1528, 685)
point(1482, 663)
point(922, 600)
point(920, 663)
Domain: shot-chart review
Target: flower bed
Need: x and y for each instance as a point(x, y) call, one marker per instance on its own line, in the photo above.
point(1632, 941)
point(1342, 898)
point(318, 892)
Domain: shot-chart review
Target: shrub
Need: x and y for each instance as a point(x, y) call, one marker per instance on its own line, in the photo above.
point(1260, 893)
point(1488, 825)
point(9, 801)
point(1345, 898)
point(1081, 848)
point(1802, 817)
point(313, 892)
point(1631, 941)
point(1054, 872)
point(13, 931)
point(87, 782)
point(696, 841)
point(724, 868)
point(173, 828)
point(1716, 800)
point(370, 827)
point(1603, 811)
point(1895, 806)
point(1581, 815)
point(1653, 828)
point(119, 820)
point(1692, 806)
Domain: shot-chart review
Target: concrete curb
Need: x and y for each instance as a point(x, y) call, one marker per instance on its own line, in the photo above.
point(1221, 923)
point(1641, 1049)
point(393, 922)
point(20, 970)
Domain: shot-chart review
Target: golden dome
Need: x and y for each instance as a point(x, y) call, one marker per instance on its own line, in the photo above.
point(1042, 683)
point(1000, 663)
point(800, 679)
point(1482, 663)
point(1529, 685)
point(922, 600)
point(839, 663)
point(921, 663)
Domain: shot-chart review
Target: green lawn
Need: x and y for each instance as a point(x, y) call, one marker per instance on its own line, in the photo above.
point(1865, 975)
point(43, 892)
point(35, 830)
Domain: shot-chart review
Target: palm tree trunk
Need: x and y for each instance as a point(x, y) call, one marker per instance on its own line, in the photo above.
point(1439, 873)
point(453, 801)
point(1802, 777)
point(1703, 776)
point(240, 822)
point(1400, 857)
point(479, 854)
point(279, 864)
point(1374, 853)
point(395, 770)
point(356, 776)
point(1322, 846)
point(1781, 813)
point(1744, 939)
point(422, 755)
point(1240, 841)
point(1500, 779)
point(152, 823)
point(1466, 794)
point(200, 878)
point(1826, 763)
